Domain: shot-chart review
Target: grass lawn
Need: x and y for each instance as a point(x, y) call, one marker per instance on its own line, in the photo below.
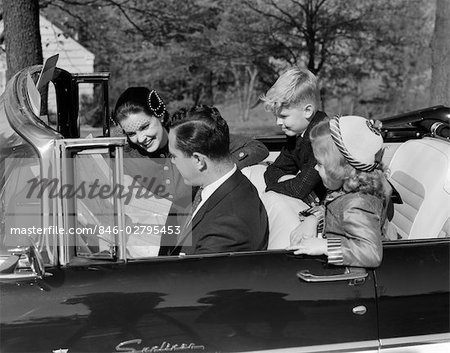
point(260, 123)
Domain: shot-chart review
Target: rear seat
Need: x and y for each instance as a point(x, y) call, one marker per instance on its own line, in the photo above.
point(420, 171)
point(282, 210)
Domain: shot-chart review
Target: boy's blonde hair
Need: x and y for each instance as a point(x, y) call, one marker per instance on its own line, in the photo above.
point(294, 86)
point(338, 168)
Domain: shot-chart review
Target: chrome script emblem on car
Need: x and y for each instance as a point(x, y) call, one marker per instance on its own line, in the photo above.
point(164, 347)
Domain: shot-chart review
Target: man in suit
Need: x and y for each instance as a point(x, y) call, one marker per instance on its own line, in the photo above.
point(227, 213)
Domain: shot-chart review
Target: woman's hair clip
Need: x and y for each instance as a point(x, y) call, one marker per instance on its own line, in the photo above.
point(156, 104)
point(112, 121)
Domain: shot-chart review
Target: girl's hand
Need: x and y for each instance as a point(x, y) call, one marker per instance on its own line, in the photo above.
point(311, 246)
point(306, 229)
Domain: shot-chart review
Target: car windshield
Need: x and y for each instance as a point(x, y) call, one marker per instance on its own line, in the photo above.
point(21, 214)
point(19, 163)
point(58, 191)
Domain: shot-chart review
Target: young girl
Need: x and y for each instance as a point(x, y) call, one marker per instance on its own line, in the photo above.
point(348, 151)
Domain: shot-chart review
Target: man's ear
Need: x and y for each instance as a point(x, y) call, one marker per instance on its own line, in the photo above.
point(199, 160)
point(309, 111)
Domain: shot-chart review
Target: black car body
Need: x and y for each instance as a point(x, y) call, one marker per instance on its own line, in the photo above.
point(61, 293)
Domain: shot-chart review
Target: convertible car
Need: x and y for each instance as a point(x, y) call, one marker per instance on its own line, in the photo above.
point(64, 289)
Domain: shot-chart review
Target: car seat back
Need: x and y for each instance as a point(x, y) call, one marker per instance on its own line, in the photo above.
point(420, 171)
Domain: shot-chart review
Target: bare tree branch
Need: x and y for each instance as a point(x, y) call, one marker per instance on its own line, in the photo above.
point(66, 10)
point(134, 24)
point(267, 14)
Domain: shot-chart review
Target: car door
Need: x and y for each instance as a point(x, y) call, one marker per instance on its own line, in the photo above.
point(413, 296)
point(220, 303)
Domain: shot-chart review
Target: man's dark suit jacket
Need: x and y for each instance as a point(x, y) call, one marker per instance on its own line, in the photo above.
point(232, 219)
point(297, 155)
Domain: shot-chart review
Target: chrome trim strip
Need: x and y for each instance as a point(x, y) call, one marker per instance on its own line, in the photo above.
point(60, 217)
point(94, 142)
point(361, 347)
point(16, 277)
point(415, 340)
point(119, 204)
point(435, 342)
point(63, 178)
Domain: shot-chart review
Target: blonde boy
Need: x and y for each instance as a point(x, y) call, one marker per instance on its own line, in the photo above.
point(291, 182)
point(294, 100)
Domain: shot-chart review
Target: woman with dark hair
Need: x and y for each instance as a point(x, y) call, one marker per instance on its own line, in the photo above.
point(140, 114)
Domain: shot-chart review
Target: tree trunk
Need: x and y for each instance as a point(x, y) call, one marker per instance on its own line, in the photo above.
point(208, 88)
point(440, 55)
point(236, 70)
point(244, 85)
point(252, 72)
point(22, 34)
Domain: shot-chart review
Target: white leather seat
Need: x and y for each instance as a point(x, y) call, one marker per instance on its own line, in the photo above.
point(420, 171)
point(282, 210)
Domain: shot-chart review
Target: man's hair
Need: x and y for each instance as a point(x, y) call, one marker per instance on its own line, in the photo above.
point(201, 129)
point(337, 167)
point(294, 86)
